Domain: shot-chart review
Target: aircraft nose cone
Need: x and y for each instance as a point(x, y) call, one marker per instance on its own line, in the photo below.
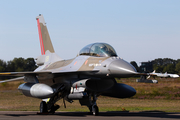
point(121, 68)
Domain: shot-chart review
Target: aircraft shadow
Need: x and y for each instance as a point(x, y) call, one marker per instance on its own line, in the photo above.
point(153, 114)
point(157, 114)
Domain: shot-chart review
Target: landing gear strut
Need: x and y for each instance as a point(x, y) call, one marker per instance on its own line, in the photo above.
point(93, 107)
point(50, 107)
point(44, 108)
point(95, 110)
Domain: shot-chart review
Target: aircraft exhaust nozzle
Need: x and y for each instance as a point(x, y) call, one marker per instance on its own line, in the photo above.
point(37, 90)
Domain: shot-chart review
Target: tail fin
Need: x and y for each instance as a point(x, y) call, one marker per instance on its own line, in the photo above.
point(47, 50)
point(45, 41)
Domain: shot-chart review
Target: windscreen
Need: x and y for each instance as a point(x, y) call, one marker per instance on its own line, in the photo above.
point(98, 50)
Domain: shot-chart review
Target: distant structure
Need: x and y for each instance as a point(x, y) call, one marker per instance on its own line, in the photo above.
point(146, 67)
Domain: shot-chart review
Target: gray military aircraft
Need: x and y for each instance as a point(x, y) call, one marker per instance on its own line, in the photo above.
point(164, 74)
point(90, 74)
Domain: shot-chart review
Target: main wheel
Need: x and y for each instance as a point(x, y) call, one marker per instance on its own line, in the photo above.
point(95, 110)
point(43, 107)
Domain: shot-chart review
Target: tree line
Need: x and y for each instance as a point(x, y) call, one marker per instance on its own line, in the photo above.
point(161, 65)
point(17, 65)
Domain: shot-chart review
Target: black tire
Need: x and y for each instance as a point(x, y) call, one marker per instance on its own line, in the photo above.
point(43, 107)
point(95, 110)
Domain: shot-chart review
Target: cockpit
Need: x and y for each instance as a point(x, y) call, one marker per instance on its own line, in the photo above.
point(98, 50)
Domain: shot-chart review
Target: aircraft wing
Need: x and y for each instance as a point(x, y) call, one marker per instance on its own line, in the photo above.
point(14, 79)
point(74, 71)
point(23, 73)
point(44, 72)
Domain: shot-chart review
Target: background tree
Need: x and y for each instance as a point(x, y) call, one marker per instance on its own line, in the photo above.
point(135, 65)
point(170, 68)
point(17, 65)
point(164, 65)
point(2, 66)
point(177, 68)
point(30, 64)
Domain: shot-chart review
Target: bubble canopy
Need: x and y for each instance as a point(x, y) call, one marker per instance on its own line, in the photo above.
point(98, 50)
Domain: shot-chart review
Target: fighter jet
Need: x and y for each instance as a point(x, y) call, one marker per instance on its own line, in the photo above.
point(145, 78)
point(90, 74)
point(164, 74)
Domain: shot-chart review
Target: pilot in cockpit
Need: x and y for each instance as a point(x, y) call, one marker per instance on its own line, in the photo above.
point(98, 50)
point(101, 51)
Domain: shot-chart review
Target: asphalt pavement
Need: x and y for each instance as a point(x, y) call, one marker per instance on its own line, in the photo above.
point(113, 115)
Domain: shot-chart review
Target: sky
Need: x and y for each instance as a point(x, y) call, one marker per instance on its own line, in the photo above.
point(139, 30)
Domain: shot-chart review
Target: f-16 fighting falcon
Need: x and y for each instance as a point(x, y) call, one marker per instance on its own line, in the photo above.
point(90, 74)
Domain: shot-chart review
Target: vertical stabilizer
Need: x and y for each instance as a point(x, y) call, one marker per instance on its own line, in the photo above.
point(48, 55)
point(45, 41)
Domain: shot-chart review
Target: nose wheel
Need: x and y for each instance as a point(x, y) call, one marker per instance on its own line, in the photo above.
point(95, 110)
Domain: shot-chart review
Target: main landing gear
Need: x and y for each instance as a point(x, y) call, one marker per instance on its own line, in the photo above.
point(50, 107)
point(43, 107)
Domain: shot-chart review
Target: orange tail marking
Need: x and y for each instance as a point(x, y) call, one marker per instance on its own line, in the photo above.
point(40, 38)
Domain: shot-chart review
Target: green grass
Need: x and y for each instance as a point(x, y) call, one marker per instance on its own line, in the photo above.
point(15, 101)
point(163, 96)
point(167, 88)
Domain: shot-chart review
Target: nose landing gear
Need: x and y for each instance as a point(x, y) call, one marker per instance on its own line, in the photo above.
point(94, 110)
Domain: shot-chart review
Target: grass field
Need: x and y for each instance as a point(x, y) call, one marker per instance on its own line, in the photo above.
point(163, 96)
